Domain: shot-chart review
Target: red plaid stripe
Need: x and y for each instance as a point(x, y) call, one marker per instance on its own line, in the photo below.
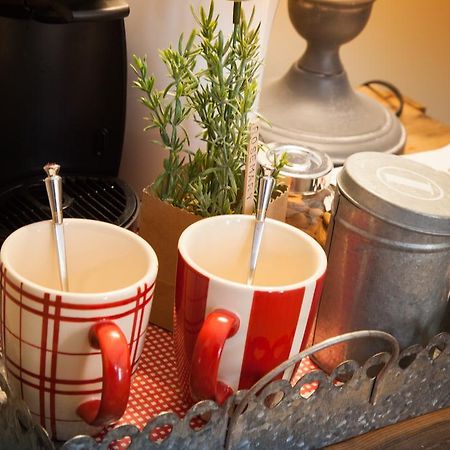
point(46, 315)
point(43, 350)
point(51, 313)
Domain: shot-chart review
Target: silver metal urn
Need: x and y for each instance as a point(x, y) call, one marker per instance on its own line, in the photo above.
point(313, 104)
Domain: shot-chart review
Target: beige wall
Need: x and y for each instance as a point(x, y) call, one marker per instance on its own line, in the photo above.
point(406, 42)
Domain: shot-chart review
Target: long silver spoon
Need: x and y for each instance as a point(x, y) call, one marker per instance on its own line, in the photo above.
point(265, 187)
point(53, 184)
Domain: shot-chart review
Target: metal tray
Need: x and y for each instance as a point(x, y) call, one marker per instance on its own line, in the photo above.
point(352, 400)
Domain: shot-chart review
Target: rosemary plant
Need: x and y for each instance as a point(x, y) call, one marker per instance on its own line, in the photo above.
point(212, 80)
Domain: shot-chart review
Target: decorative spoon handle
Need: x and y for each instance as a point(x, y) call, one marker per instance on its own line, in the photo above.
point(265, 187)
point(53, 184)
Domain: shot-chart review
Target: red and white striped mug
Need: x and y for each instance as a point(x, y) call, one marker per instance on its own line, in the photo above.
point(228, 334)
point(70, 355)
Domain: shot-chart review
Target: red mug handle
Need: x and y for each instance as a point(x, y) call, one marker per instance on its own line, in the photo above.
point(218, 326)
point(108, 337)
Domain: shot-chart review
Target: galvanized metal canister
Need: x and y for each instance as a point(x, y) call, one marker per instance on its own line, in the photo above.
point(388, 255)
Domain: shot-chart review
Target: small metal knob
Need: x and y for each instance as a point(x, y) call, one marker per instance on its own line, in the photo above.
point(52, 169)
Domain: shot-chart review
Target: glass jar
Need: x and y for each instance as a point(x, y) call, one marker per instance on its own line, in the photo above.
point(310, 195)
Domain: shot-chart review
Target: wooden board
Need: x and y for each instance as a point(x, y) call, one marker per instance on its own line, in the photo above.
point(423, 132)
point(431, 431)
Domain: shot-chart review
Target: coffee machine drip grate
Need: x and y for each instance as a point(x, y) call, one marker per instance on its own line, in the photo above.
point(99, 198)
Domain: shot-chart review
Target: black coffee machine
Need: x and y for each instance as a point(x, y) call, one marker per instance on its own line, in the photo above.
point(62, 98)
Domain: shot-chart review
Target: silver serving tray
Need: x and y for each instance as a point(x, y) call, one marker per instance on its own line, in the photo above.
point(352, 400)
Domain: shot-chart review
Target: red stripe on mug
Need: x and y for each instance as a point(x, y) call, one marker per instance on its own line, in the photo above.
point(58, 420)
point(57, 391)
point(46, 315)
point(53, 367)
point(20, 338)
point(192, 292)
point(23, 341)
point(3, 282)
point(133, 329)
point(76, 306)
point(11, 364)
point(139, 311)
point(43, 355)
point(313, 312)
point(272, 324)
point(190, 304)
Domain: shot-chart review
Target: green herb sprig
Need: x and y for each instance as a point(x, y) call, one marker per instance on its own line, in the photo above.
point(212, 80)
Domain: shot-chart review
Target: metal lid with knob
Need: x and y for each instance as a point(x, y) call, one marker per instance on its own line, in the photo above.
point(308, 169)
point(398, 190)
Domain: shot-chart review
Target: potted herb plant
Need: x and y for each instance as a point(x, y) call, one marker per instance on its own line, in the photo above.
point(212, 79)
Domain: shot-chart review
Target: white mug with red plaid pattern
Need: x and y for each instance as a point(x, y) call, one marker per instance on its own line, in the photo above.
point(228, 334)
point(70, 355)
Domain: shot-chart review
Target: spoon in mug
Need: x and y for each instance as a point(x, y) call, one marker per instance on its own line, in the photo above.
point(265, 187)
point(53, 184)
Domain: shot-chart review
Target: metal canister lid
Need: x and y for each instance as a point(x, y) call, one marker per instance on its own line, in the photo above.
point(308, 169)
point(398, 190)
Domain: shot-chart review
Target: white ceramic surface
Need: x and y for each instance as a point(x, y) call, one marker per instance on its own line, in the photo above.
point(275, 314)
point(49, 360)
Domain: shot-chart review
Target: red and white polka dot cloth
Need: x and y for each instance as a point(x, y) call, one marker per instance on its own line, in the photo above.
point(154, 388)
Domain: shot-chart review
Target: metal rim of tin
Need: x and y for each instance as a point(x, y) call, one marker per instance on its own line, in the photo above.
point(309, 170)
point(360, 189)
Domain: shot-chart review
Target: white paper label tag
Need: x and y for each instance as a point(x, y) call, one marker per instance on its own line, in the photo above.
point(250, 168)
